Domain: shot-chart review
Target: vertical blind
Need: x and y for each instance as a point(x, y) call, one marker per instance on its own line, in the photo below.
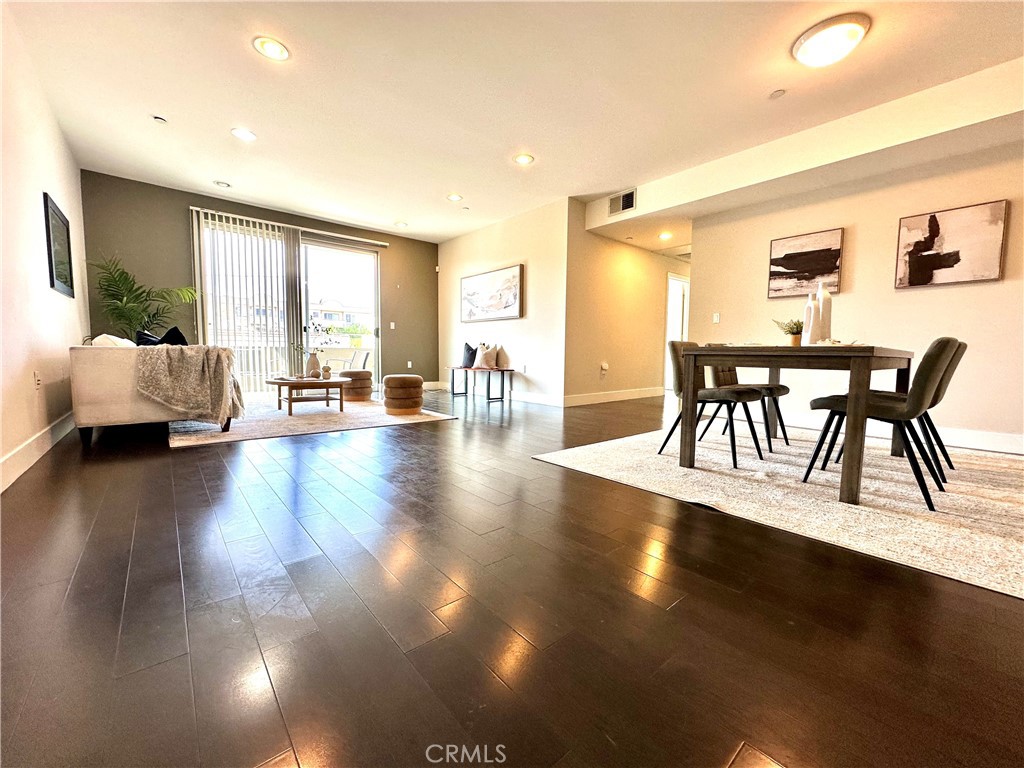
point(246, 272)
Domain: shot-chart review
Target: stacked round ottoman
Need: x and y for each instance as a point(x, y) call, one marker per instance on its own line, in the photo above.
point(361, 386)
point(403, 394)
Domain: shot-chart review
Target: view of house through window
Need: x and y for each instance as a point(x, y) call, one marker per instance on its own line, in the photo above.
point(340, 305)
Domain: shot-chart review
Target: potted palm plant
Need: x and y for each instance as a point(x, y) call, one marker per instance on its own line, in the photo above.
point(130, 306)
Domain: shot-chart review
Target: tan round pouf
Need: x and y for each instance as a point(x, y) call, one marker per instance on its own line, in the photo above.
point(360, 389)
point(403, 394)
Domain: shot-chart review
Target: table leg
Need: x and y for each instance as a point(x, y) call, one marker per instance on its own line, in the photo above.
point(279, 397)
point(856, 422)
point(341, 397)
point(773, 417)
point(902, 386)
point(290, 394)
point(688, 413)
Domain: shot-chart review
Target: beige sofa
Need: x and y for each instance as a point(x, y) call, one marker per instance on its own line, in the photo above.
point(104, 391)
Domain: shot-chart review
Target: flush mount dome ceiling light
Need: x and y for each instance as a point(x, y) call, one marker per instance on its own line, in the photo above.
point(523, 159)
point(831, 40)
point(271, 48)
point(455, 197)
point(244, 134)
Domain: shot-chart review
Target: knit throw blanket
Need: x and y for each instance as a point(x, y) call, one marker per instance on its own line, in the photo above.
point(195, 381)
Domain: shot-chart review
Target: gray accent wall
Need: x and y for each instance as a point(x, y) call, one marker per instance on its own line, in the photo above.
point(148, 227)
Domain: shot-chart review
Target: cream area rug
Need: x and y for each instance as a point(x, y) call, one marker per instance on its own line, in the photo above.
point(263, 420)
point(976, 536)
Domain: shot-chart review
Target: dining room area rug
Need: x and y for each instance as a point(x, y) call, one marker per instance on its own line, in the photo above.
point(263, 420)
point(976, 535)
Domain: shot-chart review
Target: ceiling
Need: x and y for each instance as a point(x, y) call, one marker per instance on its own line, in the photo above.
point(385, 108)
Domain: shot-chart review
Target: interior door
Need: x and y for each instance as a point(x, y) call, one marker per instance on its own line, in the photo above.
point(676, 318)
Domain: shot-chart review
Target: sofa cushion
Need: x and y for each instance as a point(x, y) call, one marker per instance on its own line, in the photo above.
point(468, 356)
point(108, 340)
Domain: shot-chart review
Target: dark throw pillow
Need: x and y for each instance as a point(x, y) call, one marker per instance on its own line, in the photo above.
point(174, 336)
point(146, 339)
point(468, 356)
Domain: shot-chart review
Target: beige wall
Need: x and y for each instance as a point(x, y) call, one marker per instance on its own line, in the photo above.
point(39, 324)
point(983, 407)
point(538, 240)
point(616, 297)
point(148, 227)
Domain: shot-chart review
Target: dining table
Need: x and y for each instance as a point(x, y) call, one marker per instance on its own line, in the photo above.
point(859, 360)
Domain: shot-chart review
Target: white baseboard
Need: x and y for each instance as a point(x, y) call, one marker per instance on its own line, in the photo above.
point(434, 386)
point(591, 398)
point(18, 461)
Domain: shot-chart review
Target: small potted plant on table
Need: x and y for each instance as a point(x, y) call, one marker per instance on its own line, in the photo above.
point(793, 329)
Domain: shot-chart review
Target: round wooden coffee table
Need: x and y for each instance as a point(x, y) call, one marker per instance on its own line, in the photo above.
point(296, 389)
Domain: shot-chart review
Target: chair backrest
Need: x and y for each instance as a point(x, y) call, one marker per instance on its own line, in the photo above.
point(947, 375)
point(929, 373)
point(724, 376)
point(675, 350)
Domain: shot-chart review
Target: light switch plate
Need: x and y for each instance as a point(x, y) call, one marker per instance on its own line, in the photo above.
point(716, 317)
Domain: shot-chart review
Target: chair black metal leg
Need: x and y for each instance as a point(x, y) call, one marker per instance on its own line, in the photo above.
point(700, 412)
point(782, 424)
point(707, 426)
point(725, 427)
point(832, 441)
point(938, 439)
point(821, 442)
point(914, 466)
point(927, 435)
point(753, 434)
point(675, 424)
point(767, 429)
point(839, 453)
point(732, 432)
point(924, 455)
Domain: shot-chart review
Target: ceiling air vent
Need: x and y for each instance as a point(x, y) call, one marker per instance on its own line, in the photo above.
point(624, 201)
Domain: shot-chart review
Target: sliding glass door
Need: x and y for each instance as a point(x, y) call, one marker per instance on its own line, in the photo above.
point(269, 291)
point(340, 304)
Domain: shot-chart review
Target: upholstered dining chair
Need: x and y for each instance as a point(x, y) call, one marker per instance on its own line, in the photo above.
point(727, 396)
point(928, 430)
point(725, 376)
point(897, 411)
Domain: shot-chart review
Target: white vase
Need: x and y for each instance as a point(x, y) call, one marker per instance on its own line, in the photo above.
point(812, 320)
point(824, 312)
point(313, 364)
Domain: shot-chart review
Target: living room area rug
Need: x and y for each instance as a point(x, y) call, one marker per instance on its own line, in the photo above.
point(976, 536)
point(263, 420)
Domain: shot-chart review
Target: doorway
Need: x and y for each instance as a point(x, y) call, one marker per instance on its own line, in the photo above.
point(677, 318)
point(339, 305)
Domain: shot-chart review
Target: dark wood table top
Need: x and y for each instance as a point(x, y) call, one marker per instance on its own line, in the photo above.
point(310, 383)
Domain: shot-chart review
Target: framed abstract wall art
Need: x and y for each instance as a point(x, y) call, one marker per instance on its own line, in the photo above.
point(800, 262)
point(58, 247)
point(495, 295)
point(959, 245)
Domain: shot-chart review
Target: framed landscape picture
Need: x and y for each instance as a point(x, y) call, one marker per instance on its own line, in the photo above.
point(496, 295)
point(800, 262)
point(58, 247)
point(959, 245)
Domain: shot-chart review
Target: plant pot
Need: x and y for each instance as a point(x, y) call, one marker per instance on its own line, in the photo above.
point(794, 340)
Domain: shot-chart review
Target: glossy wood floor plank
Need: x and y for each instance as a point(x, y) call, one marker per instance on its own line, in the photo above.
point(353, 598)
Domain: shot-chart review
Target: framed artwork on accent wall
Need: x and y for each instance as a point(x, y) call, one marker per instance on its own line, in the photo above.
point(58, 247)
point(959, 245)
point(798, 263)
point(495, 295)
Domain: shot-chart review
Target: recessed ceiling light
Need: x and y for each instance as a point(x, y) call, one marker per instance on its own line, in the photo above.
point(271, 48)
point(777, 94)
point(244, 134)
point(401, 224)
point(831, 40)
point(454, 197)
point(523, 159)
point(159, 119)
point(629, 238)
point(222, 184)
point(665, 236)
point(465, 207)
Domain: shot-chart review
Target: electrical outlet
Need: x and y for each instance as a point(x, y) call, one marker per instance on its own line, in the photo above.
point(392, 326)
point(604, 367)
point(409, 364)
point(37, 379)
point(716, 317)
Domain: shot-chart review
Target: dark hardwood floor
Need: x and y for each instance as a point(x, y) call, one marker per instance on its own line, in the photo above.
point(352, 599)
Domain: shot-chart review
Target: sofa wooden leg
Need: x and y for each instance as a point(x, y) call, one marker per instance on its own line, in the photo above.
point(86, 434)
point(227, 425)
